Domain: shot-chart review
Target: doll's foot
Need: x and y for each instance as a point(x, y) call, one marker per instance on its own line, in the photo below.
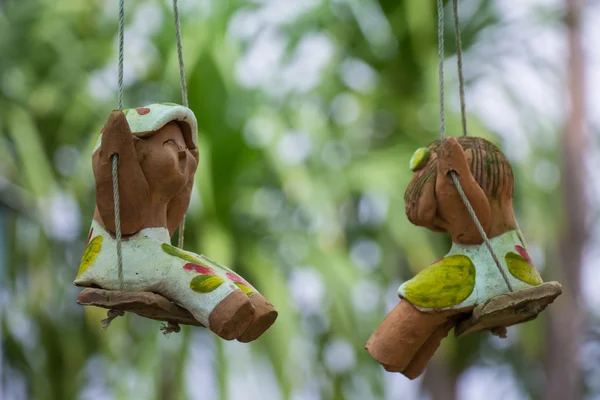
point(232, 316)
point(420, 360)
point(451, 157)
point(408, 338)
point(264, 316)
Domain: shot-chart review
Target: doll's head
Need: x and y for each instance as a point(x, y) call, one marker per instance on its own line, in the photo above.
point(145, 121)
point(489, 167)
point(168, 159)
point(165, 139)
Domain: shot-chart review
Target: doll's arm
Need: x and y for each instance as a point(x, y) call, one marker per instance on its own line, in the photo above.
point(177, 208)
point(420, 202)
point(179, 205)
point(452, 158)
point(133, 187)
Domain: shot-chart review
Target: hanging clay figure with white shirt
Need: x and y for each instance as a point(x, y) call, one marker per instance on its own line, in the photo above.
point(158, 156)
point(465, 289)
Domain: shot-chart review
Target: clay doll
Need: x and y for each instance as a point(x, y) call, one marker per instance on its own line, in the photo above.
point(445, 293)
point(156, 146)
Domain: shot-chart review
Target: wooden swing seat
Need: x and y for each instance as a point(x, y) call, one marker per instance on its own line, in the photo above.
point(509, 309)
point(145, 304)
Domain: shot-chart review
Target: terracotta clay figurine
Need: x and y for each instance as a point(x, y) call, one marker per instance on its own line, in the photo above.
point(157, 154)
point(464, 290)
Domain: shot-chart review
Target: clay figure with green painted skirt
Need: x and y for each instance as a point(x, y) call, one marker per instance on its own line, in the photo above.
point(441, 295)
point(158, 156)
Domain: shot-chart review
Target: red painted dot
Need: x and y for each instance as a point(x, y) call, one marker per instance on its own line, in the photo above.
point(198, 268)
point(142, 110)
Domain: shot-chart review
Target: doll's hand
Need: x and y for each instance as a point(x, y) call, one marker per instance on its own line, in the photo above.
point(420, 198)
point(117, 137)
point(451, 157)
point(133, 187)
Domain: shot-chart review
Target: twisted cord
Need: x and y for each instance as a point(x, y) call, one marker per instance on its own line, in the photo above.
point(440, 7)
point(465, 200)
point(115, 157)
point(461, 79)
point(463, 196)
point(184, 95)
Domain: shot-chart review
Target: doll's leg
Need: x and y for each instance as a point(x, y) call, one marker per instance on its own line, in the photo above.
point(210, 296)
point(407, 336)
point(230, 318)
point(216, 297)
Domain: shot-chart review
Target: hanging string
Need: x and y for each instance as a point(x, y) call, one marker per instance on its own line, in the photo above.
point(120, 68)
point(464, 198)
point(461, 87)
point(110, 315)
point(184, 95)
point(461, 79)
point(115, 181)
point(520, 235)
point(440, 7)
point(115, 158)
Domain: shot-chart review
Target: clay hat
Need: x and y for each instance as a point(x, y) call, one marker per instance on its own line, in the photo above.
point(144, 121)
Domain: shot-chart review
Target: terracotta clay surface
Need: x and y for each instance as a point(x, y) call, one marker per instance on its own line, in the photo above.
point(467, 278)
point(232, 316)
point(264, 317)
point(408, 337)
point(426, 352)
point(157, 160)
point(432, 200)
point(156, 176)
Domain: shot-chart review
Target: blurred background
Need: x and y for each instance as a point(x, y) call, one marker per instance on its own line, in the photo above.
point(309, 111)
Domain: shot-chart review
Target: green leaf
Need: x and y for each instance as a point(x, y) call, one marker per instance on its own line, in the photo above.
point(184, 255)
point(522, 270)
point(246, 289)
point(206, 283)
point(91, 253)
point(446, 283)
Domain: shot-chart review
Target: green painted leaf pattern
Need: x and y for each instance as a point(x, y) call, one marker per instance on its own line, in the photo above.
point(89, 255)
point(206, 283)
point(184, 255)
point(445, 283)
point(246, 289)
point(522, 270)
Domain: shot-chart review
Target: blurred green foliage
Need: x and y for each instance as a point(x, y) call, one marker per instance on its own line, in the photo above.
point(308, 113)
